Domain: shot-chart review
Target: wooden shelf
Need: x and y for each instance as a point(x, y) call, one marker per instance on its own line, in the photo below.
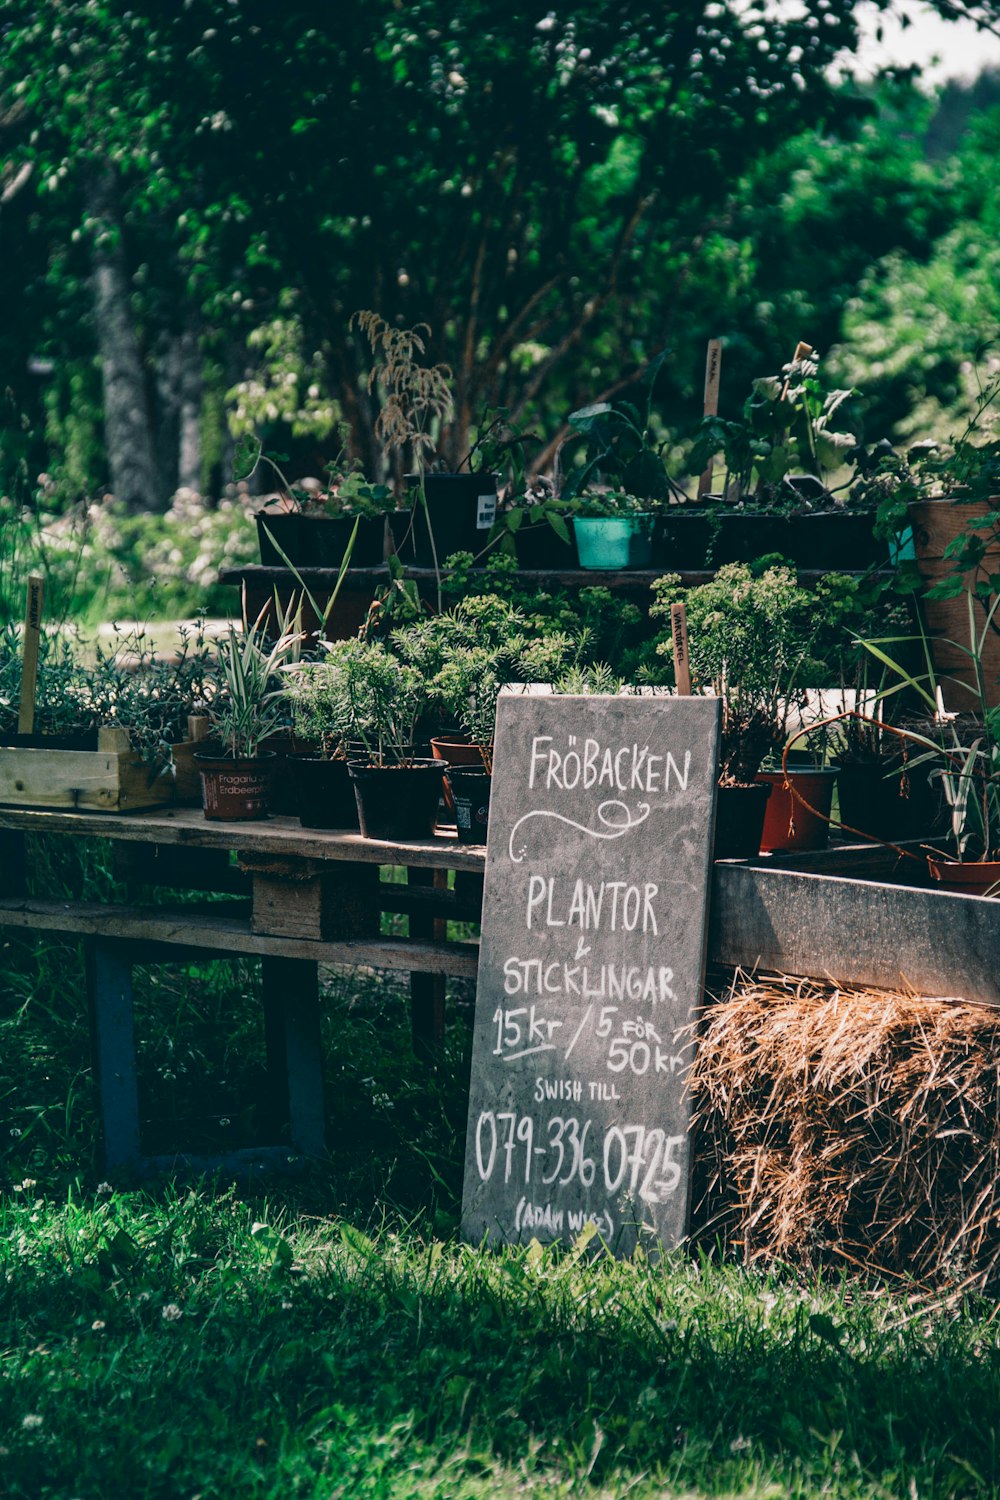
point(202, 930)
point(274, 835)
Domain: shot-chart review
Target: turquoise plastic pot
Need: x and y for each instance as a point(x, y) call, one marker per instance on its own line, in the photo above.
point(613, 541)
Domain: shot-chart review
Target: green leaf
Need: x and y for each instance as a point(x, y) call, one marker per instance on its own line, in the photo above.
point(246, 456)
point(273, 1248)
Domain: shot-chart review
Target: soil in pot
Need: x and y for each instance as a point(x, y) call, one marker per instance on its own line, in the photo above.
point(324, 793)
point(398, 802)
point(471, 796)
point(235, 790)
point(739, 820)
point(974, 877)
point(788, 823)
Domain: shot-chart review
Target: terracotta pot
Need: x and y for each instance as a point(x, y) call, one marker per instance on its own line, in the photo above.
point(235, 790)
point(470, 790)
point(398, 802)
point(935, 523)
point(739, 820)
point(788, 824)
point(974, 877)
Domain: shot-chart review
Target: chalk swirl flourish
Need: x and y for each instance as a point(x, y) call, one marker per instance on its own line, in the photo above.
point(611, 830)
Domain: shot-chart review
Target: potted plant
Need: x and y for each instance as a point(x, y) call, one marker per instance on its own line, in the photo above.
point(248, 707)
point(944, 501)
point(780, 458)
point(447, 512)
point(750, 637)
point(324, 792)
point(379, 702)
point(962, 753)
point(613, 530)
point(614, 494)
point(319, 523)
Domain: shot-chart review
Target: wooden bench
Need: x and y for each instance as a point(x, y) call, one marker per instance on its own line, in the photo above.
point(301, 897)
point(297, 898)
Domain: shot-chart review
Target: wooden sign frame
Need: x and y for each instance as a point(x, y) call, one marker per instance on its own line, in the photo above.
point(591, 969)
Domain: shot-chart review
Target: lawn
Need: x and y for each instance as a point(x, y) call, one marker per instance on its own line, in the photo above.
point(330, 1335)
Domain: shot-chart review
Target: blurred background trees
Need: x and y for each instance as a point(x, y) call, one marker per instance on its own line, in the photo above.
point(195, 198)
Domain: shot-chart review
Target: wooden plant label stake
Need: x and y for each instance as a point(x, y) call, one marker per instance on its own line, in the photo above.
point(591, 970)
point(713, 372)
point(682, 665)
point(802, 351)
point(29, 662)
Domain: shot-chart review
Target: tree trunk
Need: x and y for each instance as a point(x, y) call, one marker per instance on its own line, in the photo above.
point(189, 414)
point(127, 425)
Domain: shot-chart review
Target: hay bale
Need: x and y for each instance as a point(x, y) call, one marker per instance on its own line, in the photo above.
point(850, 1125)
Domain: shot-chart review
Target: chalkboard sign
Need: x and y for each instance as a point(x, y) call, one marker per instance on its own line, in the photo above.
point(591, 962)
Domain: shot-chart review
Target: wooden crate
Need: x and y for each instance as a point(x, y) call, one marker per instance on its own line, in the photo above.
point(111, 778)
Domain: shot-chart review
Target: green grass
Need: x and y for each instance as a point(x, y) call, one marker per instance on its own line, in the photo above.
point(336, 1338)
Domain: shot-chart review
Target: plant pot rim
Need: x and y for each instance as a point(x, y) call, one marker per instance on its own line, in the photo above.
point(801, 771)
point(221, 758)
point(417, 763)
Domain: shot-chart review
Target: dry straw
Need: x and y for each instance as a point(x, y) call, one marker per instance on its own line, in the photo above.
point(851, 1126)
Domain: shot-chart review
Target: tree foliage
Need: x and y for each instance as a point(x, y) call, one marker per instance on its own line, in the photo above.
point(557, 193)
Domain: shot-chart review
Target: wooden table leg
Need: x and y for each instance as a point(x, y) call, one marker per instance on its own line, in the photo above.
point(13, 866)
point(427, 991)
point(112, 1033)
point(291, 1032)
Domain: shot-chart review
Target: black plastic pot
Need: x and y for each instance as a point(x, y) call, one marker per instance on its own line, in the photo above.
point(739, 820)
point(470, 790)
point(323, 540)
point(398, 802)
point(540, 547)
point(324, 793)
point(235, 790)
point(281, 527)
point(687, 538)
point(461, 509)
point(874, 799)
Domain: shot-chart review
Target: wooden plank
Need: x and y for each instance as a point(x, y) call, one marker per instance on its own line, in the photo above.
point(109, 779)
point(275, 835)
point(302, 898)
point(206, 931)
point(856, 932)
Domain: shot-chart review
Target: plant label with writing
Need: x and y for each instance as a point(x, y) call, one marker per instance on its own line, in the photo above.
point(591, 969)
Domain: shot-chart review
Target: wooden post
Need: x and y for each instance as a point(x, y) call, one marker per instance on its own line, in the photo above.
point(292, 1040)
point(802, 351)
point(713, 372)
point(682, 665)
point(109, 995)
point(29, 667)
point(427, 991)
